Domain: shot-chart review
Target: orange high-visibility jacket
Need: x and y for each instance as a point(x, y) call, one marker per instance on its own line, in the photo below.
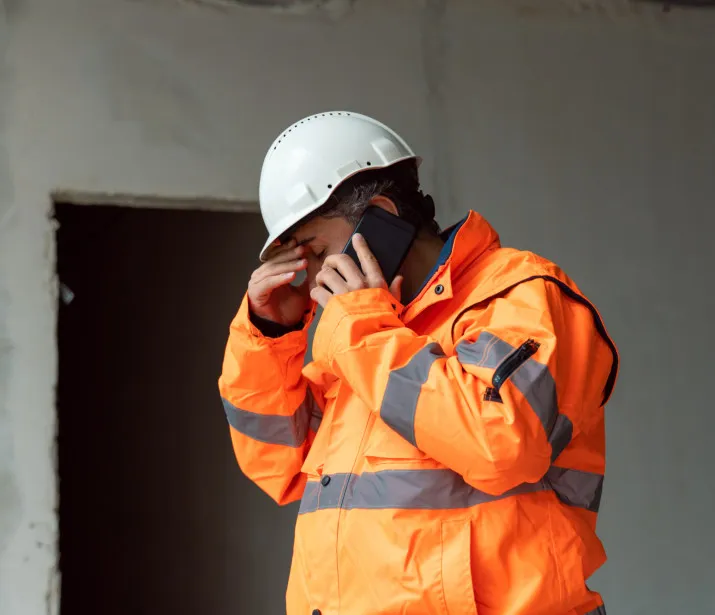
point(448, 454)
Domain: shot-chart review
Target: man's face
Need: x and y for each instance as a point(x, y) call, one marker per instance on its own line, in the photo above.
point(322, 237)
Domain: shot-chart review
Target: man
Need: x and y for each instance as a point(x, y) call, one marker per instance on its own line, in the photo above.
point(447, 441)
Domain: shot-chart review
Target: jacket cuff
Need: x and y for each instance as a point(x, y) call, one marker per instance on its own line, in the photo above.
point(349, 318)
point(269, 328)
point(250, 327)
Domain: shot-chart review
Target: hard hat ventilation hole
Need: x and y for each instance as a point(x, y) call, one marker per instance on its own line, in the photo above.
point(368, 163)
point(330, 186)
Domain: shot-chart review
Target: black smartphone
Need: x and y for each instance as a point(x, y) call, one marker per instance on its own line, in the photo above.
point(388, 237)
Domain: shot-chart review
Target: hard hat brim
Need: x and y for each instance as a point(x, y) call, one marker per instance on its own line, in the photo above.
point(287, 223)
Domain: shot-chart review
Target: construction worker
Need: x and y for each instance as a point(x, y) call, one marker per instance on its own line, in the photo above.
point(447, 441)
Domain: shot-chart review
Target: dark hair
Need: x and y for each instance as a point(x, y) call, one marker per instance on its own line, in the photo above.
point(399, 182)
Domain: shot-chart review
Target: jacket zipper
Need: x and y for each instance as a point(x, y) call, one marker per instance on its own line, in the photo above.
point(513, 362)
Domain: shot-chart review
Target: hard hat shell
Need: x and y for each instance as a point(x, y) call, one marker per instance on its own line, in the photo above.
point(310, 160)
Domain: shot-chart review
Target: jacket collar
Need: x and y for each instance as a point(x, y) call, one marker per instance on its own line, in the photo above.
point(465, 243)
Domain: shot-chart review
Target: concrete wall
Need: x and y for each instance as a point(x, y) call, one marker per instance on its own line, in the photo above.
point(583, 130)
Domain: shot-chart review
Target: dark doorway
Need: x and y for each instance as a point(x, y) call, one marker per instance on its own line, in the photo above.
point(155, 515)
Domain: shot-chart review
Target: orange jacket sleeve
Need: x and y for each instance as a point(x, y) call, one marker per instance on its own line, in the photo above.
point(272, 412)
point(488, 409)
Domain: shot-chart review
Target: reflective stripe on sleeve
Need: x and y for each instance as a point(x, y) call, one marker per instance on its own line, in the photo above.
point(532, 379)
point(404, 385)
point(288, 430)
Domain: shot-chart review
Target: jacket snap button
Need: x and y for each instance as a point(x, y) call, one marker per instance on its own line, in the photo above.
point(439, 289)
point(324, 481)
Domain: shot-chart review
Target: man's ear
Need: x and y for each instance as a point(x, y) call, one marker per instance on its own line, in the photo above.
point(385, 203)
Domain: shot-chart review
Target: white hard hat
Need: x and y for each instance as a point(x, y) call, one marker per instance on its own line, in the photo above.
point(308, 162)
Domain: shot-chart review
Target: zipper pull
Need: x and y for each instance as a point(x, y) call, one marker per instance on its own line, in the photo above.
point(513, 362)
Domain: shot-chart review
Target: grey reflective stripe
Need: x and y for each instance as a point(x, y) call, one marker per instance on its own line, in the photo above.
point(435, 490)
point(601, 610)
point(560, 436)
point(576, 488)
point(424, 489)
point(404, 386)
point(487, 351)
point(533, 380)
point(536, 384)
point(270, 428)
point(319, 497)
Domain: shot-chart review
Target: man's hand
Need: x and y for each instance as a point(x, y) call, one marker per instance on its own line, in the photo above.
point(341, 275)
point(270, 294)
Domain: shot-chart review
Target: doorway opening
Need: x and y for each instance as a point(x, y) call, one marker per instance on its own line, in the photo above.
point(155, 515)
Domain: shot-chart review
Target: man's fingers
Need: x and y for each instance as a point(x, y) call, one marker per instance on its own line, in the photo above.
point(271, 269)
point(279, 249)
point(320, 295)
point(267, 285)
point(396, 287)
point(333, 280)
point(286, 254)
point(347, 268)
point(368, 262)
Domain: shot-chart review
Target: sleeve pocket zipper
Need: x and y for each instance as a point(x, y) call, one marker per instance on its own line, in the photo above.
point(508, 366)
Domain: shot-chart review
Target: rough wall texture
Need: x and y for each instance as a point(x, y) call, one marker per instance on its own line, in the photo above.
point(587, 135)
point(10, 513)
